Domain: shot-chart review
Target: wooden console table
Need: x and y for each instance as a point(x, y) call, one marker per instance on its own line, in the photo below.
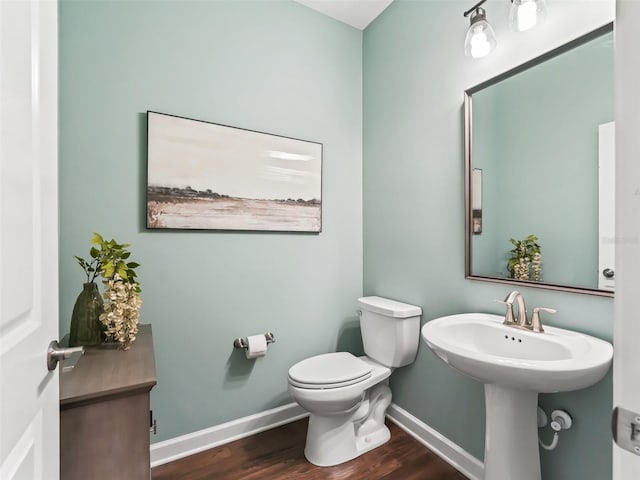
point(105, 414)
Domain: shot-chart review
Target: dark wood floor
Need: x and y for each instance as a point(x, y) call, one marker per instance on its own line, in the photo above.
point(278, 454)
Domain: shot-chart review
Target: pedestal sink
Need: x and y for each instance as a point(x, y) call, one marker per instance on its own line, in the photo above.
point(515, 365)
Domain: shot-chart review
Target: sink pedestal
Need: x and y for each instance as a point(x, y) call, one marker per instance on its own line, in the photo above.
point(511, 438)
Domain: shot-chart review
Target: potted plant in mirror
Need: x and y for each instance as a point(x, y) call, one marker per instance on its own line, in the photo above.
point(116, 318)
point(526, 259)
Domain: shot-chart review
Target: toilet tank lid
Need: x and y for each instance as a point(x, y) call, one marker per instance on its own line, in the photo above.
point(391, 308)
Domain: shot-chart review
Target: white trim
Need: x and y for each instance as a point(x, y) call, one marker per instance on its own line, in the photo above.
point(195, 442)
point(451, 453)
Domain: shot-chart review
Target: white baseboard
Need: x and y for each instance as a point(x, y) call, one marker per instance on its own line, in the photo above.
point(451, 453)
point(191, 443)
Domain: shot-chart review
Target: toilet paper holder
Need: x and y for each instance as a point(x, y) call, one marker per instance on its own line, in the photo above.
point(241, 342)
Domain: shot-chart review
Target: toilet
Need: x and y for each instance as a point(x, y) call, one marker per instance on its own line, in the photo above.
point(347, 396)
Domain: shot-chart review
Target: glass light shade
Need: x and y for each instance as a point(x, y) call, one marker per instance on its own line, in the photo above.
point(480, 40)
point(526, 14)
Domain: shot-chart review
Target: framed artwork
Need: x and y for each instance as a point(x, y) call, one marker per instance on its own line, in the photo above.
point(203, 175)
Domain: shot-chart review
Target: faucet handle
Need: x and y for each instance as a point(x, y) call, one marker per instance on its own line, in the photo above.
point(536, 323)
point(508, 318)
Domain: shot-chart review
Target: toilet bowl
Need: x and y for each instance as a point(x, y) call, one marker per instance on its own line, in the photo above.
point(347, 396)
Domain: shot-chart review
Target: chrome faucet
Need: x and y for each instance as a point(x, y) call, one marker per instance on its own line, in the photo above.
point(535, 324)
point(509, 319)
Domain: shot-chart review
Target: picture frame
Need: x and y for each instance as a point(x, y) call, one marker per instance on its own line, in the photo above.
point(209, 176)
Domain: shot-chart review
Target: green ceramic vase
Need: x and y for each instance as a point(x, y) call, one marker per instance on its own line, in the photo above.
point(86, 328)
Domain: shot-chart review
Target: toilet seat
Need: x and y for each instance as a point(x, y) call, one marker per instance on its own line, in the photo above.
point(330, 370)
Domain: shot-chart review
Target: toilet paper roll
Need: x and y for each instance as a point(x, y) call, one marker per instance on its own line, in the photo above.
point(256, 346)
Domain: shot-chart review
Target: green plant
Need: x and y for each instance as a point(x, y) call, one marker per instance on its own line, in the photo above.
point(522, 255)
point(109, 260)
point(121, 312)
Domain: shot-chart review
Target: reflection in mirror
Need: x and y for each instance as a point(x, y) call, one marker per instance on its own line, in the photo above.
point(534, 136)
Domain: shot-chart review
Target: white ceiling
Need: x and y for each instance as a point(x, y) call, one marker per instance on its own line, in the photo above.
point(357, 13)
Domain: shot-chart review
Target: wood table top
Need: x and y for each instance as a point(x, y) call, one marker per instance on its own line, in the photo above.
point(108, 371)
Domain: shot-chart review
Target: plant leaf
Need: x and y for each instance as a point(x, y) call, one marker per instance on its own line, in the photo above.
point(108, 269)
point(97, 239)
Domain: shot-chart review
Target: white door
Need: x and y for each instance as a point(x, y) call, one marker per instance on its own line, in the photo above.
point(29, 415)
point(626, 372)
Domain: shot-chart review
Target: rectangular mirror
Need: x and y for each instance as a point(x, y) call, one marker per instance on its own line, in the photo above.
point(539, 158)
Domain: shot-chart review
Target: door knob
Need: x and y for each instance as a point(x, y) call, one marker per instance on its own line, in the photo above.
point(608, 273)
point(56, 354)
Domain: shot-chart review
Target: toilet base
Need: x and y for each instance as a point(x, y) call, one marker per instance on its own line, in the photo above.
point(373, 439)
point(332, 440)
point(337, 445)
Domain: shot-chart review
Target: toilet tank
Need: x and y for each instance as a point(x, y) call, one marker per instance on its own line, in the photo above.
point(390, 330)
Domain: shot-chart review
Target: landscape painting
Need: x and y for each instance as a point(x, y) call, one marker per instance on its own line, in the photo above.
point(202, 175)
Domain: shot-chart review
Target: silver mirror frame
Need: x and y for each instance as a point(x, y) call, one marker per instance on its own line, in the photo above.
point(468, 154)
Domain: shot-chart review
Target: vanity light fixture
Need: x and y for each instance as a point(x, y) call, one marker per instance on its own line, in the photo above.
point(526, 14)
point(481, 39)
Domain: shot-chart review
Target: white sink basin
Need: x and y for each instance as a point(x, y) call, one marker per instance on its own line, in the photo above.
point(478, 345)
point(515, 365)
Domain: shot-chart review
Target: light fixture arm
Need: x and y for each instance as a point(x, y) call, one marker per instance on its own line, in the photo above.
point(468, 12)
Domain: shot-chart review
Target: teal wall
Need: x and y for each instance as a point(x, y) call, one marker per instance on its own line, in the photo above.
point(278, 67)
point(537, 134)
point(275, 67)
point(414, 77)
